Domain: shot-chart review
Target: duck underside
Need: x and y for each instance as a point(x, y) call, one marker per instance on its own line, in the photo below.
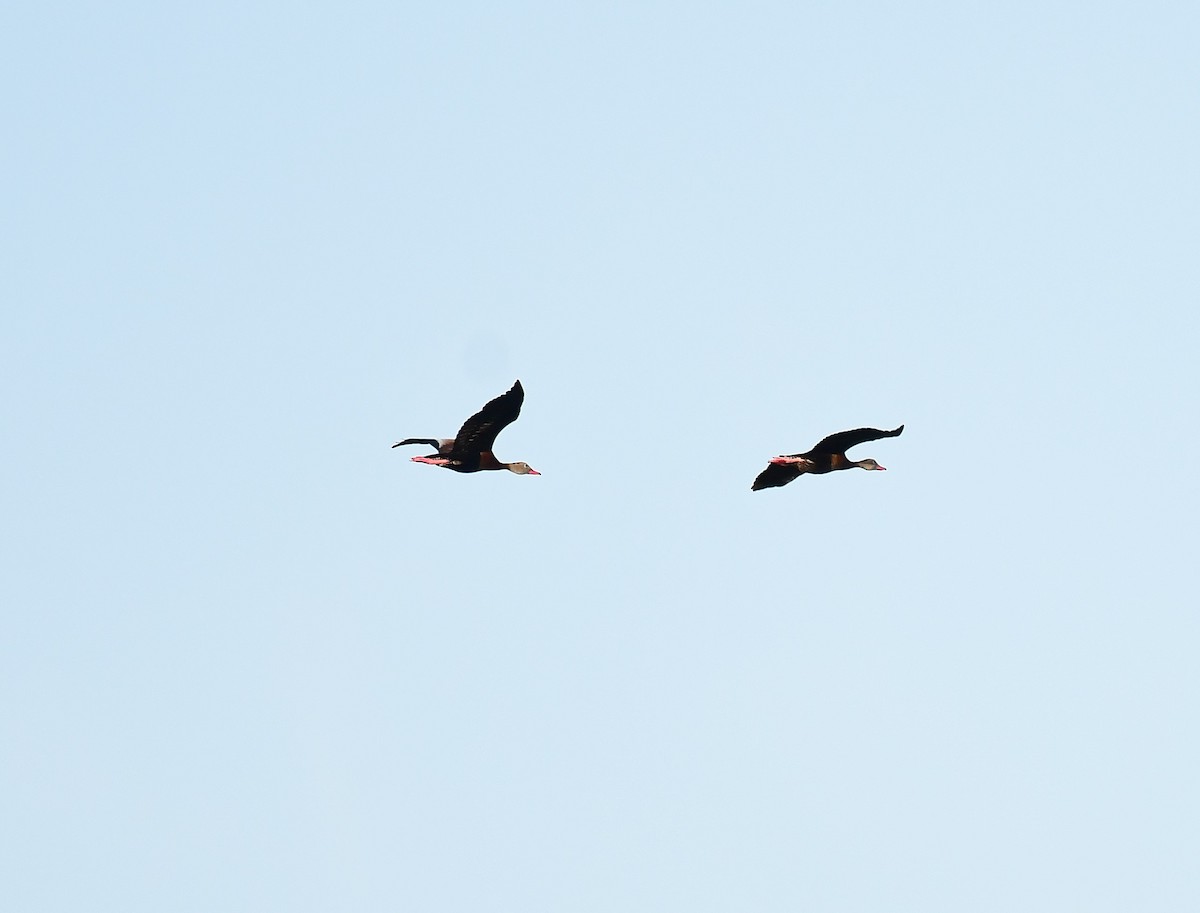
point(783, 470)
point(460, 462)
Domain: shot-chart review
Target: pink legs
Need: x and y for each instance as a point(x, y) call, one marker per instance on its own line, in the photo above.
point(786, 460)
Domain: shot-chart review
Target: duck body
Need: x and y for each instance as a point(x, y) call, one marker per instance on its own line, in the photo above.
point(471, 449)
point(829, 455)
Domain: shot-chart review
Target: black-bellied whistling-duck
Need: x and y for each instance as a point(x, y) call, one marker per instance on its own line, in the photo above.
point(471, 450)
point(828, 455)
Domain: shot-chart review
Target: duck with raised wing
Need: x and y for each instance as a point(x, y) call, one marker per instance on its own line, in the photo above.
point(471, 449)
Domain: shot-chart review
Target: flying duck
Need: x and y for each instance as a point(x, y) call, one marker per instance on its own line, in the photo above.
point(471, 450)
point(828, 455)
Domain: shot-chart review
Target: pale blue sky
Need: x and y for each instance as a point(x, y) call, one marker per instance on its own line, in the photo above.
point(253, 659)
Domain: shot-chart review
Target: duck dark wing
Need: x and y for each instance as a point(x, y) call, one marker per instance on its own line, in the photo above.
point(844, 440)
point(478, 433)
point(442, 445)
point(776, 474)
